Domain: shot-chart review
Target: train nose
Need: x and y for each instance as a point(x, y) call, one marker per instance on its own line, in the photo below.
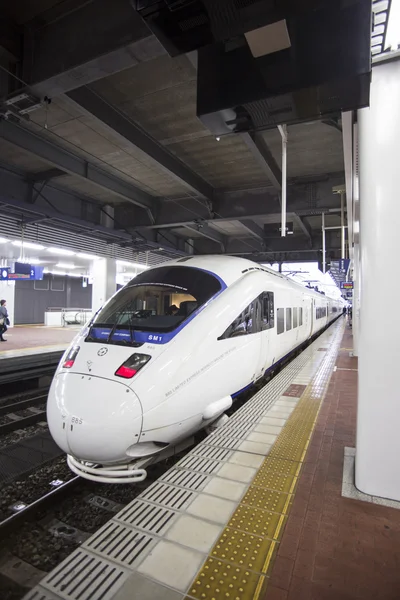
point(92, 418)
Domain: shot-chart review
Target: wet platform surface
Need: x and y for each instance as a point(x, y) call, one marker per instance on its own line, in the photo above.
point(336, 548)
point(23, 340)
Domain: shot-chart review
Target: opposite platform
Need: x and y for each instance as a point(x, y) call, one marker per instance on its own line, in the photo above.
point(26, 340)
point(211, 526)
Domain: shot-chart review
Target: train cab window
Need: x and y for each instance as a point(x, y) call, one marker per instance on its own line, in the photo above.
point(288, 319)
point(280, 320)
point(267, 310)
point(141, 304)
point(244, 324)
point(300, 316)
point(295, 317)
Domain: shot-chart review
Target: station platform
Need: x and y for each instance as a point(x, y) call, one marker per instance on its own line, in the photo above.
point(256, 510)
point(33, 339)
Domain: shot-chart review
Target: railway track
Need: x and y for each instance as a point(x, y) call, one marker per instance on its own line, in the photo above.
point(18, 414)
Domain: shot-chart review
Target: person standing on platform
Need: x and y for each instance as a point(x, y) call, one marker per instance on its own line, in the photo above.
point(4, 320)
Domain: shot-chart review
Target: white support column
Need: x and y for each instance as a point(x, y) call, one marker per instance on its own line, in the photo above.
point(356, 299)
point(378, 438)
point(104, 281)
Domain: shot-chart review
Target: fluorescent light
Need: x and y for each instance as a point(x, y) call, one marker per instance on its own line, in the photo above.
point(75, 275)
point(87, 256)
point(66, 265)
point(61, 251)
point(3, 241)
point(28, 245)
point(57, 272)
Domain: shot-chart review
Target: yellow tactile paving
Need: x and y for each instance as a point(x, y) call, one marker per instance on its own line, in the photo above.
point(274, 480)
point(255, 520)
point(242, 549)
point(219, 580)
point(241, 559)
point(261, 497)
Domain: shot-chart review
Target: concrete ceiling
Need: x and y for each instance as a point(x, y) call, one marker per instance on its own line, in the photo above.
point(122, 130)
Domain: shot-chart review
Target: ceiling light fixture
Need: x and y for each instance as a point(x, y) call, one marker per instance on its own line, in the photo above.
point(4, 241)
point(87, 256)
point(28, 245)
point(62, 265)
point(61, 251)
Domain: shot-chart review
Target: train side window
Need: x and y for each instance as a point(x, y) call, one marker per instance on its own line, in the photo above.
point(300, 316)
point(280, 320)
point(267, 310)
point(294, 317)
point(288, 319)
point(243, 324)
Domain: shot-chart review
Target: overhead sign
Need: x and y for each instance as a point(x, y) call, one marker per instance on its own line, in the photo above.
point(26, 271)
point(4, 272)
point(344, 265)
point(346, 285)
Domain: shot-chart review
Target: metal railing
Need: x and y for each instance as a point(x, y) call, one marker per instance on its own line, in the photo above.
point(72, 316)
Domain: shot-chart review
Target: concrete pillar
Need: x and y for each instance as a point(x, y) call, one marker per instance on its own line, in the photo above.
point(378, 438)
point(104, 281)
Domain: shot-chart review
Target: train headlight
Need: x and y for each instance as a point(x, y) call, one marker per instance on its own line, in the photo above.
point(71, 356)
point(131, 366)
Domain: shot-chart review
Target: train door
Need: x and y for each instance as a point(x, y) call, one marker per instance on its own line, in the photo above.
point(265, 322)
point(309, 316)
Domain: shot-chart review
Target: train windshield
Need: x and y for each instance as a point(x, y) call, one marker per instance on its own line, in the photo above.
point(156, 301)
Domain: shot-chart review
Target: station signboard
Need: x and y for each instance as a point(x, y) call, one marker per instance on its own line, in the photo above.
point(25, 271)
point(4, 273)
point(346, 285)
point(344, 264)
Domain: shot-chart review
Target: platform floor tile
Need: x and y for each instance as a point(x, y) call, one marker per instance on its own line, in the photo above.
point(173, 565)
point(224, 488)
point(237, 473)
point(141, 588)
point(246, 459)
point(211, 508)
point(194, 533)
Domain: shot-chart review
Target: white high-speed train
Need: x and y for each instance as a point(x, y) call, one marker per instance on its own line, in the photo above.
point(142, 377)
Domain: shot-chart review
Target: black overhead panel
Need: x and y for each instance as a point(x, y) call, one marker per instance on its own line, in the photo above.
point(325, 70)
point(186, 25)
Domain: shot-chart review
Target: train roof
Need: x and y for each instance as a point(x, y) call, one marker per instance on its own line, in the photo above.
point(231, 268)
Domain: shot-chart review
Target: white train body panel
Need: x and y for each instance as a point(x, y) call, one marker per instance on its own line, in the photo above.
point(191, 375)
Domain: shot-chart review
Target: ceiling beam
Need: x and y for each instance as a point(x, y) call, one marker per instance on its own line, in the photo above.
point(253, 228)
point(303, 225)
point(305, 199)
point(251, 246)
point(57, 218)
point(73, 164)
point(263, 155)
point(65, 57)
point(96, 106)
point(29, 214)
point(46, 175)
point(208, 232)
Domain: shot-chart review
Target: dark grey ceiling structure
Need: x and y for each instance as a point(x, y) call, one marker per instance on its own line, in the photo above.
point(107, 123)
